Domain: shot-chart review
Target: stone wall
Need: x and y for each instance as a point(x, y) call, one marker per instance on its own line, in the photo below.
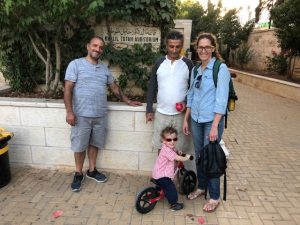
point(262, 42)
point(277, 87)
point(4, 86)
point(2, 80)
point(296, 67)
point(42, 137)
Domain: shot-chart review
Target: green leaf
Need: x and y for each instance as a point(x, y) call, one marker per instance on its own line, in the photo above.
point(162, 4)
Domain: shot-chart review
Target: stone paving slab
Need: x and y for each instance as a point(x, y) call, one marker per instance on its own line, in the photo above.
point(263, 137)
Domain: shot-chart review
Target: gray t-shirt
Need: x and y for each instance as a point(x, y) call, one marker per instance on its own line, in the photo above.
point(89, 93)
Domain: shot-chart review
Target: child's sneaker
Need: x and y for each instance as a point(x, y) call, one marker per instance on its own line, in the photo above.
point(96, 175)
point(77, 181)
point(177, 206)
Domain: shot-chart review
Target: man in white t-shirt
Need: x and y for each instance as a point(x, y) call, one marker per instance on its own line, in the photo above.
point(169, 83)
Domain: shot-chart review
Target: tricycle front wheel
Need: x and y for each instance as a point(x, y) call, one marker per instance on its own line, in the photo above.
point(188, 182)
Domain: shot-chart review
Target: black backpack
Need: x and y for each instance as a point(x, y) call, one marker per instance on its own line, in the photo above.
point(213, 163)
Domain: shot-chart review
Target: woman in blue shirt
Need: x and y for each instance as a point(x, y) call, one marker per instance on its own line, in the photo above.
point(207, 105)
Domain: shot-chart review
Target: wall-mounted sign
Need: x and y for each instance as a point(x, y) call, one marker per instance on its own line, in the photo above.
point(125, 34)
point(264, 24)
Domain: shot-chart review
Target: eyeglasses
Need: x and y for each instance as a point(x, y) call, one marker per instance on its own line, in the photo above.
point(206, 48)
point(197, 84)
point(170, 139)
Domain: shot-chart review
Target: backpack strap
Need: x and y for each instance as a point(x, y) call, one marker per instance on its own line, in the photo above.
point(196, 70)
point(205, 191)
point(216, 69)
point(225, 187)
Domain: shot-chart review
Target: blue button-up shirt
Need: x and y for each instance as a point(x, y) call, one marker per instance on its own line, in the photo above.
point(207, 100)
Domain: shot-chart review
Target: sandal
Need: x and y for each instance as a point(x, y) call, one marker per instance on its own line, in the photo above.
point(196, 194)
point(211, 206)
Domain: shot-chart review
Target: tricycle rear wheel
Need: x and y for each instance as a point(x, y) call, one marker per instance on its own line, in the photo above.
point(142, 203)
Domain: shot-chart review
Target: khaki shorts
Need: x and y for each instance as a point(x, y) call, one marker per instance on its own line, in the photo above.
point(160, 122)
point(88, 131)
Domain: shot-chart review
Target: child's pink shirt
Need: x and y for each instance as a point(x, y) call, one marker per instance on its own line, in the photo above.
point(165, 163)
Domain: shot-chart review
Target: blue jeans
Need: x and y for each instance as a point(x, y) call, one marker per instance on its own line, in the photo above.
point(169, 189)
point(200, 132)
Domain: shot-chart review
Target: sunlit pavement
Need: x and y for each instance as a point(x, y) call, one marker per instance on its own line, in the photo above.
point(263, 137)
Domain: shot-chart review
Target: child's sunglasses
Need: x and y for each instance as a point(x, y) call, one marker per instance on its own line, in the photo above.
point(170, 139)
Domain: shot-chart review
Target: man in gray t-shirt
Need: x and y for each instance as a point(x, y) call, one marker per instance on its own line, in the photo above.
point(85, 99)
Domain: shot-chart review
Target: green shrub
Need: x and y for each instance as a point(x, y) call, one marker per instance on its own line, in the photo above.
point(134, 62)
point(244, 54)
point(278, 63)
point(20, 65)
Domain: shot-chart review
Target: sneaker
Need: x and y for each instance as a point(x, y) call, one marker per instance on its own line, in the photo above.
point(96, 175)
point(77, 180)
point(176, 206)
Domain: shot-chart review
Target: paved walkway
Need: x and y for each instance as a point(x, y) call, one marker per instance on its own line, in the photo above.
point(263, 136)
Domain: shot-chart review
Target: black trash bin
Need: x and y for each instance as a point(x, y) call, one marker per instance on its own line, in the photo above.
point(5, 175)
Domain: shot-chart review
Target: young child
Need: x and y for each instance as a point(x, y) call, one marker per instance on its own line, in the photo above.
point(164, 168)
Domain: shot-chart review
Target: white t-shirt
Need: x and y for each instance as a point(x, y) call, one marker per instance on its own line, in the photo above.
point(173, 83)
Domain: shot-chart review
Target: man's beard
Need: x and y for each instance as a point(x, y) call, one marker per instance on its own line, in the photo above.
point(96, 58)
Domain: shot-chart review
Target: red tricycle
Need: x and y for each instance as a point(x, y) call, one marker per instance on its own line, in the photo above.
point(147, 198)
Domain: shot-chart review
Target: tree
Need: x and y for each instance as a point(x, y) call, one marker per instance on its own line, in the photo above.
point(47, 25)
point(212, 19)
point(266, 4)
point(203, 20)
point(286, 18)
point(232, 33)
point(191, 10)
point(244, 55)
point(228, 30)
point(57, 30)
point(263, 4)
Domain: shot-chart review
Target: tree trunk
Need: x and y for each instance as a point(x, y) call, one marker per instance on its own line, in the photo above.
point(37, 51)
point(230, 61)
point(47, 75)
point(58, 64)
point(293, 66)
point(46, 61)
point(289, 69)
